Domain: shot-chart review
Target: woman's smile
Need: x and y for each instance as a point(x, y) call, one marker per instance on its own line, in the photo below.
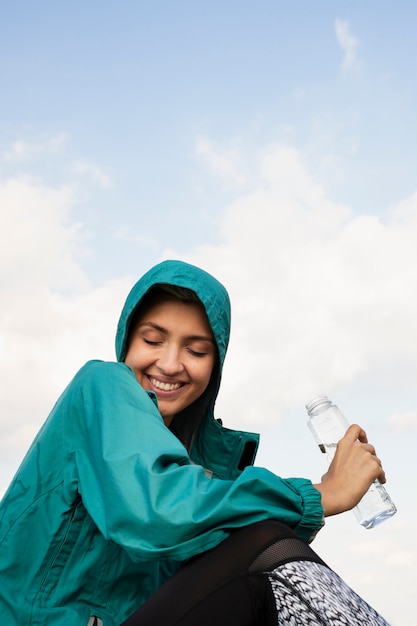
point(161, 385)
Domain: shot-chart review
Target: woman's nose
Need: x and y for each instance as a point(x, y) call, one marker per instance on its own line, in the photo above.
point(169, 361)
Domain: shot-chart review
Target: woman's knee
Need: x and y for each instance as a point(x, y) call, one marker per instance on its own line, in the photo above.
point(261, 534)
point(245, 544)
point(278, 544)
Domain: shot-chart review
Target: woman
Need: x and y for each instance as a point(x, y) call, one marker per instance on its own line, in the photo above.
point(135, 506)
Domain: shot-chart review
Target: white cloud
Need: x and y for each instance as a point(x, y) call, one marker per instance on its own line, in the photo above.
point(319, 295)
point(224, 162)
point(366, 549)
point(125, 233)
point(403, 422)
point(93, 173)
point(405, 212)
point(24, 151)
point(51, 319)
point(401, 559)
point(348, 43)
point(37, 244)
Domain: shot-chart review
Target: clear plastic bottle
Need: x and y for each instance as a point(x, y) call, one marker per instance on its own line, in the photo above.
point(328, 426)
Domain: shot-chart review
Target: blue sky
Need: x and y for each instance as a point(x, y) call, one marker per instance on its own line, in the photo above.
point(274, 144)
point(131, 85)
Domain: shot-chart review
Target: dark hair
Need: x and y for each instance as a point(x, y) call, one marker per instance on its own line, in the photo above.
point(181, 293)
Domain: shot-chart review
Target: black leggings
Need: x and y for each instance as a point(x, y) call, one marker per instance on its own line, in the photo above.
point(262, 575)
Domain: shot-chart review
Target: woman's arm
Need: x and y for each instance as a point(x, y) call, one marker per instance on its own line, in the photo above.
point(139, 486)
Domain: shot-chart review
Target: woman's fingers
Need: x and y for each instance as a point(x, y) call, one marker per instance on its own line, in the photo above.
point(356, 432)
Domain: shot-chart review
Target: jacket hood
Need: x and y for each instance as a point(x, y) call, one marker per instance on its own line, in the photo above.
point(215, 300)
point(212, 294)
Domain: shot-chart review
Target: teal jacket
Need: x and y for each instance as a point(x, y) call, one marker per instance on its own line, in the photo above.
point(109, 502)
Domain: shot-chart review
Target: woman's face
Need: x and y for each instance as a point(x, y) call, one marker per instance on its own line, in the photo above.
point(172, 353)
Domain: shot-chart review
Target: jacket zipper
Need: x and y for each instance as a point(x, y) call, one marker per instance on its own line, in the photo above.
point(61, 543)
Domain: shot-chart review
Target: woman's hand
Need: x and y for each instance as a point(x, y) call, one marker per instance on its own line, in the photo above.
point(353, 469)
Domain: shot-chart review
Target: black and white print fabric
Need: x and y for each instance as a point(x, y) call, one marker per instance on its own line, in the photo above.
point(310, 594)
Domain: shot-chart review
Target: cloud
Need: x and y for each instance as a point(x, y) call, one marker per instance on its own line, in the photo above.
point(125, 233)
point(367, 550)
point(224, 162)
point(348, 43)
point(51, 318)
point(320, 295)
point(24, 151)
point(403, 422)
point(401, 559)
point(93, 173)
point(37, 244)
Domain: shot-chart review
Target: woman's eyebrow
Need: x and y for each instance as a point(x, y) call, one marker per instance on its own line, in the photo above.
point(153, 325)
point(201, 338)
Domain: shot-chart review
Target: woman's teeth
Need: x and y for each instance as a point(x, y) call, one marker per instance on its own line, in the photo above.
point(165, 386)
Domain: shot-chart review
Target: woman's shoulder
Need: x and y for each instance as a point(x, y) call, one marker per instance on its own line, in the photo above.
point(100, 377)
point(97, 370)
point(107, 379)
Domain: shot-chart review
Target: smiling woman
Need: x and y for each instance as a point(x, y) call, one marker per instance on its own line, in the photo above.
point(143, 509)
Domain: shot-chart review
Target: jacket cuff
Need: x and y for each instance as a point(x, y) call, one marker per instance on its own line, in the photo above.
point(312, 519)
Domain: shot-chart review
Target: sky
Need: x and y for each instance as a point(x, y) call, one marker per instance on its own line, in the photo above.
point(271, 143)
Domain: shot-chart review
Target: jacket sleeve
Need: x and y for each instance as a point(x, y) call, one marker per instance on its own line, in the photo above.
point(139, 486)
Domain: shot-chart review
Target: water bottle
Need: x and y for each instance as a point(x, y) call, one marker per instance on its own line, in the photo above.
point(328, 426)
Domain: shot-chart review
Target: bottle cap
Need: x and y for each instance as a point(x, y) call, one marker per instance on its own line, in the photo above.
point(317, 401)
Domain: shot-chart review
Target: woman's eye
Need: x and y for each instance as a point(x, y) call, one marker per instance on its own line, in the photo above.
point(151, 343)
point(196, 353)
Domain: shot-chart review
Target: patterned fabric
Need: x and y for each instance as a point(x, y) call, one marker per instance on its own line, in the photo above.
point(309, 594)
